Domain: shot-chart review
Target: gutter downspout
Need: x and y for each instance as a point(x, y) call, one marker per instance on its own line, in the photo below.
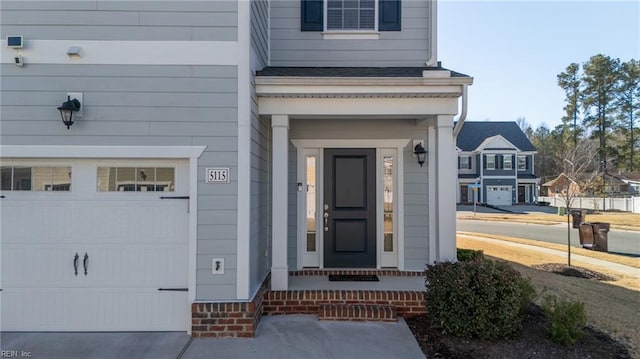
point(463, 113)
point(432, 61)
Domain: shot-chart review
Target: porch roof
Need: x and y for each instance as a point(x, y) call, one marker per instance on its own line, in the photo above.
point(352, 71)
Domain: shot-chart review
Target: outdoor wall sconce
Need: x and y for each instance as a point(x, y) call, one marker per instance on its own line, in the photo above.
point(67, 109)
point(420, 153)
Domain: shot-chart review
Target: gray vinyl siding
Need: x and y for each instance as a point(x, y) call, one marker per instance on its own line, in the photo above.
point(416, 184)
point(416, 208)
point(139, 105)
point(121, 20)
point(292, 47)
point(260, 31)
point(260, 207)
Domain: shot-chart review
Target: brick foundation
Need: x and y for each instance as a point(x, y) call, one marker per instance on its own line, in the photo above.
point(358, 312)
point(406, 303)
point(223, 320)
point(240, 319)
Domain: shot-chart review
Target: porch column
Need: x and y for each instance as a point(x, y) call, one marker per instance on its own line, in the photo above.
point(279, 269)
point(446, 165)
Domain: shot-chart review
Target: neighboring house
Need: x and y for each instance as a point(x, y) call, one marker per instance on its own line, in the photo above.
point(622, 184)
point(559, 186)
point(219, 145)
point(498, 160)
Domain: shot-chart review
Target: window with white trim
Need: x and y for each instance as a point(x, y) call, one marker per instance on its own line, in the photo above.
point(364, 16)
point(351, 14)
point(491, 162)
point(36, 178)
point(507, 162)
point(465, 163)
point(136, 179)
point(522, 163)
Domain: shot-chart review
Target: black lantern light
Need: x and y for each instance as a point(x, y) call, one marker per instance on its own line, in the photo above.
point(421, 153)
point(67, 109)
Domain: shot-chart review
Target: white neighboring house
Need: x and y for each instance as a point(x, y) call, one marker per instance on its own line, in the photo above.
point(211, 141)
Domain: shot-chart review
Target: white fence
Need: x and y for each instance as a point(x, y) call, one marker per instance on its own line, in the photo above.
point(630, 204)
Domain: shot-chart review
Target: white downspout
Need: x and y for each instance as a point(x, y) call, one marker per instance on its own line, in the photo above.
point(463, 113)
point(432, 61)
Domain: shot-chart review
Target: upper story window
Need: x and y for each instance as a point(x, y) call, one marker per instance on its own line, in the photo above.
point(350, 15)
point(37, 178)
point(507, 162)
point(464, 163)
point(491, 162)
point(522, 163)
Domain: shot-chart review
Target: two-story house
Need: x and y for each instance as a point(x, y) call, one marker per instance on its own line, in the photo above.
point(167, 163)
point(495, 164)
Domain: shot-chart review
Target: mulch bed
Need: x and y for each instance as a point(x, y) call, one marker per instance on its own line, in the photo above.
point(534, 340)
point(573, 271)
point(532, 343)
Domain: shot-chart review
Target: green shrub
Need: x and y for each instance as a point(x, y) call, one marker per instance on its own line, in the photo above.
point(567, 319)
point(466, 255)
point(477, 299)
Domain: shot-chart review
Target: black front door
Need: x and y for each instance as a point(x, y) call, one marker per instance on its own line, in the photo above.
point(349, 208)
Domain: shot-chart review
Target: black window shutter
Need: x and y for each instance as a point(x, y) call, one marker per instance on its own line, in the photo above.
point(311, 15)
point(389, 15)
point(526, 161)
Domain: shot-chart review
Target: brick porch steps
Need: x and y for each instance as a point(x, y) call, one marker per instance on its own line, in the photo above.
point(406, 303)
point(358, 312)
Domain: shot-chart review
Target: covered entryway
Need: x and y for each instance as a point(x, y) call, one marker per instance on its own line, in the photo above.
point(95, 245)
point(499, 195)
point(315, 109)
point(349, 208)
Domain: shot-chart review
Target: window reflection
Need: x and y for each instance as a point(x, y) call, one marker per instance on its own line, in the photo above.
point(311, 203)
point(388, 203)
point(136, 179)
point(40, 178)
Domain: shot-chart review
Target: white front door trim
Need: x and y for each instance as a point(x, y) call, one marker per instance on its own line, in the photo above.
point(392, 147)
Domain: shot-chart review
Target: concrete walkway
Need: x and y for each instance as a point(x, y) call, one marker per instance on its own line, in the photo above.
point(304, 336)
point(278, 337)
point(621, 268)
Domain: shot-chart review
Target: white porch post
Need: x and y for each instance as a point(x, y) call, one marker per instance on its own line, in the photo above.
point(445, 189)
point(279, 269)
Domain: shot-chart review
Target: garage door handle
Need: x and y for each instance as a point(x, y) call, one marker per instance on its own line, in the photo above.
point(75, 263)
point(85, 262)
point(173, 289)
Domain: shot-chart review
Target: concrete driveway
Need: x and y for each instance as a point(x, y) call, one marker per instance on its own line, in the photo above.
point(281, 337)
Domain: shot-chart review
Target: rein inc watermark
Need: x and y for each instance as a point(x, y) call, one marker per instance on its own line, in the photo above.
point(15, 354)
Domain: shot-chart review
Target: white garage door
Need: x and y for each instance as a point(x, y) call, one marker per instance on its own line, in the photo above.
point(86, 246)
point(499, 195)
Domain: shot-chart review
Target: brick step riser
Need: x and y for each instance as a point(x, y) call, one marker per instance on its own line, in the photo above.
point(357, 312)
point(308, 302)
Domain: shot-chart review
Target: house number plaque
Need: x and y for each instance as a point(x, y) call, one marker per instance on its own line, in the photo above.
point(217, 175)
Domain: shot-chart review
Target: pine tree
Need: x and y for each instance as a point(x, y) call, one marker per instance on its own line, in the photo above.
point(600, 78)
point(628, 106)
point(570, 82)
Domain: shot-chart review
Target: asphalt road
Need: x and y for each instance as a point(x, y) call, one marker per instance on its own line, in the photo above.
point(620, 242)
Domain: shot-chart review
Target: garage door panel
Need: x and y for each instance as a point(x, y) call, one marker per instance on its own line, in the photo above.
point(35, 221)
point(160, 265)
point(34, 266)
point(136, 243)
point(57, 309)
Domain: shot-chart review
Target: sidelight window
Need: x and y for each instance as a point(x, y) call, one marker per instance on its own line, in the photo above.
point(387, 163)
